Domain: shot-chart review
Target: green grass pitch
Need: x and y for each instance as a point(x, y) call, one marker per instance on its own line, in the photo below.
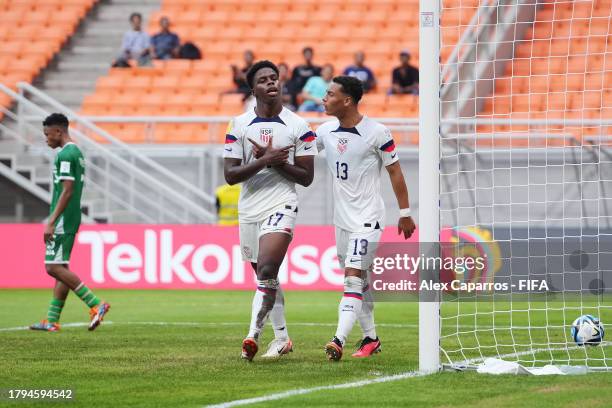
point(181, 348)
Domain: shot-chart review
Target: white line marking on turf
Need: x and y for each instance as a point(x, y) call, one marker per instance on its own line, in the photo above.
point(76, 324)
point(209, 324)
point(203, 324)
point(302, 391)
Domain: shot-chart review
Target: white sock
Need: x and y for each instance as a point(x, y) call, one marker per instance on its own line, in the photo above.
point(263, 302)
point(350, 306)
point(277, 316)
point(366, 317)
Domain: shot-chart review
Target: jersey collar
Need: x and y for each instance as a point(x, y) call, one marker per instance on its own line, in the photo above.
point(275, 119)
point(69, 143)
point(353, 130)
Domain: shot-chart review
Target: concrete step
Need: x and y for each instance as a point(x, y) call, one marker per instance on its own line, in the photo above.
point(66, 83)
point(101, 59)
point(135, 3)
point(83, 66)
point(60, 94)
point(103, 30)
point(78, 50)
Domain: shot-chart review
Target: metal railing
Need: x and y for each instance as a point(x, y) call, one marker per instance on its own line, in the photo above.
point(120, 182)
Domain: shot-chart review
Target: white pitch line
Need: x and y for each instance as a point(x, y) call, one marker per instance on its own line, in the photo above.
point(19, 328)
point(204, 324)
point(209, 324)
point(302, 391)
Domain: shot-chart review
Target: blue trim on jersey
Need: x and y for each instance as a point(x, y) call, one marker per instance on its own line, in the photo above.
point(348, 130)
point(275, 119)
point(388, 147)
point(308, 136)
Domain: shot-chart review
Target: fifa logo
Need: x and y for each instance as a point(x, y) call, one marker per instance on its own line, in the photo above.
point(342, 144)
point(265, 135)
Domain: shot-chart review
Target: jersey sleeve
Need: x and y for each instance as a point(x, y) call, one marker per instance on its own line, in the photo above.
point(385, 147)
point(233, 148)
point(67, 166)
point(319, 139)
point(305, 144)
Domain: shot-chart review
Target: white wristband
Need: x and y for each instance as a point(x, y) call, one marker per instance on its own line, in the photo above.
point(404, 212)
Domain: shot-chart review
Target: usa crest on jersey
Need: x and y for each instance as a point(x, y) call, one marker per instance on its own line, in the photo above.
point(342, 144)
point(265, 134)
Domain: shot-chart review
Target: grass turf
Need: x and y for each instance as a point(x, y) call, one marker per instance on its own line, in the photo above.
point(193, 360)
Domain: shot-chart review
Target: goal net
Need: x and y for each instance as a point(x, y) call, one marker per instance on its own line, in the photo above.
point(525, 154)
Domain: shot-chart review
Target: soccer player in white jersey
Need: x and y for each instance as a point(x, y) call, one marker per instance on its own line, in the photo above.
point(356, 149)
point(268, 149)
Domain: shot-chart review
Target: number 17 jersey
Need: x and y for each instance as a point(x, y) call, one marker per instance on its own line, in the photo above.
point(355, 157)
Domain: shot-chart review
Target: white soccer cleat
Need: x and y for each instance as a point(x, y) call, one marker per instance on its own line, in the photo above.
point(278, 347)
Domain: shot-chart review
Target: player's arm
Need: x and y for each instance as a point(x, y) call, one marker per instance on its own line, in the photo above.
point(302, 172)
point(62, 203)
point(235, 172)
point(405, 224)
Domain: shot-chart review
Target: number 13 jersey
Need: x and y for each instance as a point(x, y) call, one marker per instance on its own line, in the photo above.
point(355, 157)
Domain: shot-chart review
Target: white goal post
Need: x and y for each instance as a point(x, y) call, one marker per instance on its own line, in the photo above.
point(429, 161)
point(515, 148)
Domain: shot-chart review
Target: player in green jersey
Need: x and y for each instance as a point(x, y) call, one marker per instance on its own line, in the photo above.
point(63, 224)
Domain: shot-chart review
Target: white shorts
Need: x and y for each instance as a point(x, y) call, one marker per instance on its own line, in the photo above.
point(281, 220)
point(357, 249)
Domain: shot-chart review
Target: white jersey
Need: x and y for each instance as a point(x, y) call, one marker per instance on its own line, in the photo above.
point(355, 157)
point(267, 190)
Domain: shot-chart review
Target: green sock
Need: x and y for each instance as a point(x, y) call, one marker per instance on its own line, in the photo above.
point(55, 309)
point(86, 295)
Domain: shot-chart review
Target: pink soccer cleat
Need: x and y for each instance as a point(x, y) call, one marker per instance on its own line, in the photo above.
point(368, 347)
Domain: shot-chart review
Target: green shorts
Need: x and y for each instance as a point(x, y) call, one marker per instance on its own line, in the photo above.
point(59, 249)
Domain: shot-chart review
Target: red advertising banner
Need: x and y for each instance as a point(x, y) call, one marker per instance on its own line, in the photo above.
point(169, 257)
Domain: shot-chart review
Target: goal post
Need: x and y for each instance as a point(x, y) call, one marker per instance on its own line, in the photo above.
point(515, 155)
point(429, 162)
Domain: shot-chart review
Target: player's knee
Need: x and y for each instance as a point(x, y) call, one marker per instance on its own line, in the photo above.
point(267, 270)
point(353, 284)
point(52, 270)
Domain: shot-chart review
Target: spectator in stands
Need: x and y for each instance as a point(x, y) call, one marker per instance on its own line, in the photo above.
point(315, 89)
point(136, 44)
point(165, 44)
point(361, 72)
point(239, 75)
point(405, 77)
point(285, 83)
point(302, 73)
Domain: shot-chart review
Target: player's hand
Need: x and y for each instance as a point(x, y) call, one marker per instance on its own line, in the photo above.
point(49, 232)
point(406, 225)
point(259, 150)
point(270, 155)
point(276, 157)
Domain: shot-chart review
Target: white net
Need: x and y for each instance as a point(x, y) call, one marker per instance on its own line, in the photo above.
point(526, 170)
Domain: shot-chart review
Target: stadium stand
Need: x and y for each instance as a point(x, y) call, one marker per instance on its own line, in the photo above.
point(31, 33)
point(224, 29)
point(553, 77)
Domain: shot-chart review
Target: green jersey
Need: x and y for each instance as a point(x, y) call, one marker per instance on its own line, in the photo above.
point(69, 165)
